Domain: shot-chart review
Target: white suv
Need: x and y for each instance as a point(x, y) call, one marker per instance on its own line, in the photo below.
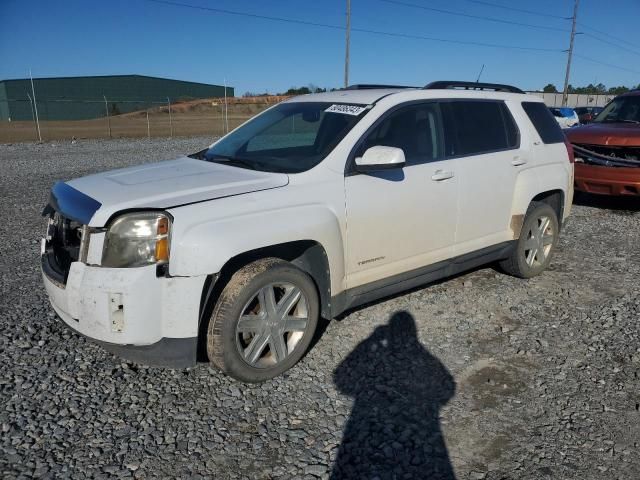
point(317, 205)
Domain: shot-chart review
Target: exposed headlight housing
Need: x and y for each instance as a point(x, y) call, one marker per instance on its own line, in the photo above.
point(137, 239)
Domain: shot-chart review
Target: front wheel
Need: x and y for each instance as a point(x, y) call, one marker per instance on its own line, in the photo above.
point(263, 321)
point(538, 239)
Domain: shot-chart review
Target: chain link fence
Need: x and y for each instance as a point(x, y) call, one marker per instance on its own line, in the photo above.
point(62, 119)
point(65, 119)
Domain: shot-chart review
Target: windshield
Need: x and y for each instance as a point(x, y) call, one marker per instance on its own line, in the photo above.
point(288, 138)
point(621, 110)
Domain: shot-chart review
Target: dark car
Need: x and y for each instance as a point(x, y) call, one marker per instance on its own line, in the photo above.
point(587, 114)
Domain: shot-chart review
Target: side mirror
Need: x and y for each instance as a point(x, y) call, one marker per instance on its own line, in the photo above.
point(380, 158)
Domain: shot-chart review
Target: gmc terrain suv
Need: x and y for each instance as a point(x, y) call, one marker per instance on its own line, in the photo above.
point(317, 205)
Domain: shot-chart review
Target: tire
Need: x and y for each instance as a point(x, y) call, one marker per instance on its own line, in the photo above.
point(264, 321)
point(533, 251)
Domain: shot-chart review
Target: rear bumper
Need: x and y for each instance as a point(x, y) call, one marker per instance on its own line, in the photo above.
point(131, 312)
point(607, 180)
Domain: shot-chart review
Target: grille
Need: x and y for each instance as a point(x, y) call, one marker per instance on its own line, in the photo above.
point(625, 153)
point(63, 246)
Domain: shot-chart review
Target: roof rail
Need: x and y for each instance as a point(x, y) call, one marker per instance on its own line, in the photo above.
point(498, 87)
point(371, 86)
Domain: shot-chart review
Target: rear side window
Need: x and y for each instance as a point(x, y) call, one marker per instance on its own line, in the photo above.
point(476, 127)
point(542, 119)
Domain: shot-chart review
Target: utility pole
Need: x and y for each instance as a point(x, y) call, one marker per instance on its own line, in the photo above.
point(33, 117)
point(170, 120)
point(565, 92)
point(35, 106)
point(226, 108)
point(346, 53)
point(106, 109)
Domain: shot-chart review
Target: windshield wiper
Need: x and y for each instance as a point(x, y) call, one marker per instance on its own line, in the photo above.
point(629, 121)
point(238, 162)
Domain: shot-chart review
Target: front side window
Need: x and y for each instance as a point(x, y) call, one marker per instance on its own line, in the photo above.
point(415, 129)
point(621, 110)
point(289, 138)
point(476, 127)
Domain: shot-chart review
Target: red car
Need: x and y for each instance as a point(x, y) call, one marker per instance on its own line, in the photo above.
point(587, 114)
point(608, 149)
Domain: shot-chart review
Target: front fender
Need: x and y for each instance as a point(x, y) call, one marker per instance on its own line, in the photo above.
point(202, 246)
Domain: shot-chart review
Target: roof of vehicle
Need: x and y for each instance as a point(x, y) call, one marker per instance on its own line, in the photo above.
point(368, 94)
point(362, 97)
point(631, 93)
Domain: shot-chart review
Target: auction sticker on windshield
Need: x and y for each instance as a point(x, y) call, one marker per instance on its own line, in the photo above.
point(346, 109)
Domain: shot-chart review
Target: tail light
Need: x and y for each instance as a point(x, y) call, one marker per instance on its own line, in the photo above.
point(567, 143)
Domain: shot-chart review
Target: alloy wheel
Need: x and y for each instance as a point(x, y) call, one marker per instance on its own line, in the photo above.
point(271, 324)
point(539, 240)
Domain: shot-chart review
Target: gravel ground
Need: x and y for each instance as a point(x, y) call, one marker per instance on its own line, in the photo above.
point(480, 376)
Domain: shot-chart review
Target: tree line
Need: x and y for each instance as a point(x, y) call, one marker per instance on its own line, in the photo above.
point(598, 89)
point(591, 89)
point(311, 88)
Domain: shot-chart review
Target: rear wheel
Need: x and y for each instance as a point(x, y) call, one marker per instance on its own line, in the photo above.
point(263, 321)
point(538, 239)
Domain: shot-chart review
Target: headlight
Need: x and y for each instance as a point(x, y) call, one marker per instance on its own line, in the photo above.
point(137, 239)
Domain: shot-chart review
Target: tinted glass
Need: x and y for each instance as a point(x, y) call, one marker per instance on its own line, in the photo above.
point(415, 129)
point(475, 127)
point(543, 121)
point(289, 138)
point(621, 110)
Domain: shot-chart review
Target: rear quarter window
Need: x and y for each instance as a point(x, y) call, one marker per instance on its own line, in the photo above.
point(543, 121)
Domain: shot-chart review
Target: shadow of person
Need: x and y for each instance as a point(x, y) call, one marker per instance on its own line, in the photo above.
point(394, 428)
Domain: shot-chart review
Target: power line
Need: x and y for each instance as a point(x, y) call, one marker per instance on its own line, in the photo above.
point(607, 35)
point(588, 59)
point(519, 10)
point(617, 45)
point(476, 17)
point(379, 32)
point(246, 14)
point(361, 30)
point(460, 42)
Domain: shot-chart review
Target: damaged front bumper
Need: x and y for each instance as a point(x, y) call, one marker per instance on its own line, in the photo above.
point(131, 312)
point(609, 174)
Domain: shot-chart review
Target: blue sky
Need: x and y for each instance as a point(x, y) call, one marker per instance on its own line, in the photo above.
point(87, 37)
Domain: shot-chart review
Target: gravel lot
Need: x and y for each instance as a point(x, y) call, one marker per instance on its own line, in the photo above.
point(480, 376)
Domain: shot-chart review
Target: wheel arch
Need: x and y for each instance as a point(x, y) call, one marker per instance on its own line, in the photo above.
point(308, 255)
point(553, 198)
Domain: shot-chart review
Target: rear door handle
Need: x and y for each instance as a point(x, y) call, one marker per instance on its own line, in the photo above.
point(516, 162)
point(441, 175)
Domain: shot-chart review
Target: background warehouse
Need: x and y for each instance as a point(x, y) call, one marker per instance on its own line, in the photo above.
point(80, 98)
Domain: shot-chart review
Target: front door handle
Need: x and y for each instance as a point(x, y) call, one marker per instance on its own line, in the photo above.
point(441, 175)
point(517, 161)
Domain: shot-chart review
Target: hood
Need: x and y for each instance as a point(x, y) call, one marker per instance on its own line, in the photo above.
point(614, 134)
point(166, 184)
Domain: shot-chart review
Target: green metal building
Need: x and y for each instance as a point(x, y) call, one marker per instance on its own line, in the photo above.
point(80, 98)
